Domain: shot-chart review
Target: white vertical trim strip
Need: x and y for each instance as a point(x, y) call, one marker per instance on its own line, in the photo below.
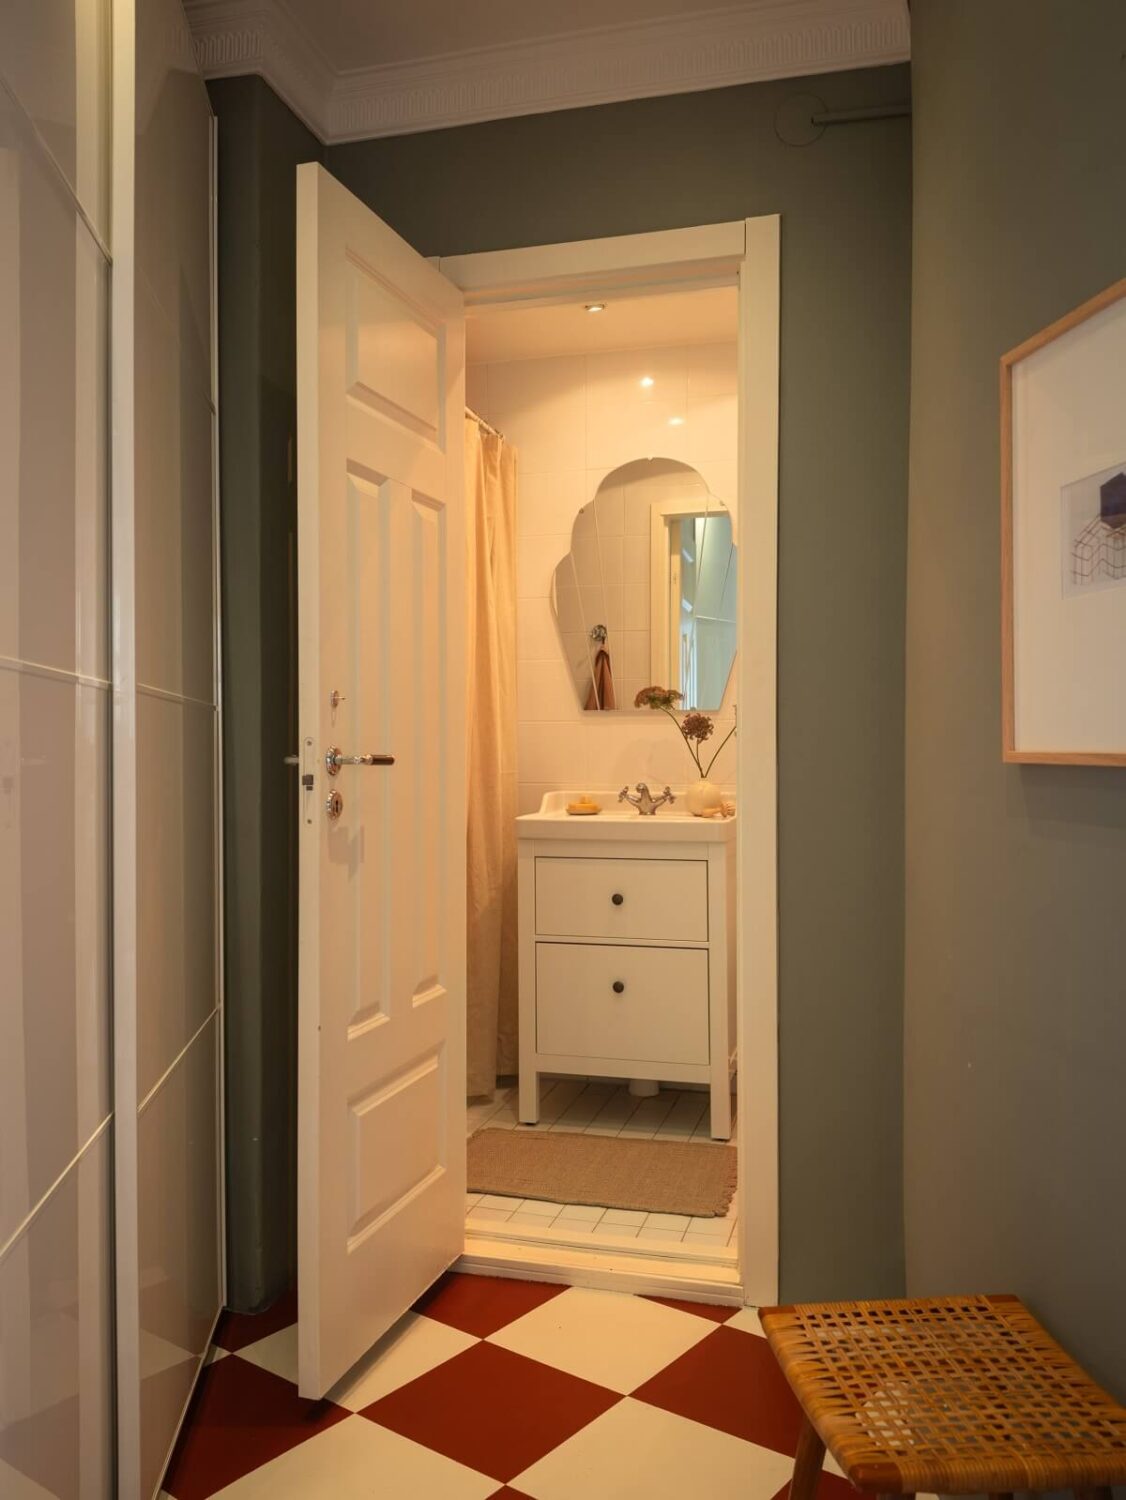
point(124, 743)
point(757, 758)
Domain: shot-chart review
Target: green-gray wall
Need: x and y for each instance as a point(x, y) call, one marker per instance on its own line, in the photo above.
point(845, 206)
point(260, 144)
point(1016, 987)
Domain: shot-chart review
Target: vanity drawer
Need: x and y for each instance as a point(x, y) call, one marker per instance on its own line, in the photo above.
point(661, 899)
point(660, 1013)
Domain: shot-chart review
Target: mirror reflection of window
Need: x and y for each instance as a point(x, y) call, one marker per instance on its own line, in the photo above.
point(702, 559)
point(647, 593)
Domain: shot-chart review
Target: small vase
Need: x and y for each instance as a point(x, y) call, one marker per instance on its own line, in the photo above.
point(702, 797)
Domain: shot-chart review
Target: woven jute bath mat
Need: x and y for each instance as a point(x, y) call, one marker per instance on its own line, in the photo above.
point(606, 1171)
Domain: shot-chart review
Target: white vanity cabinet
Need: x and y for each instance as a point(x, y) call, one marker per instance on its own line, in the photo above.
point(627, 953)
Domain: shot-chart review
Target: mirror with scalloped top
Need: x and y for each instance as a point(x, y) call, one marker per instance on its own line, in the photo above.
point(647, 593)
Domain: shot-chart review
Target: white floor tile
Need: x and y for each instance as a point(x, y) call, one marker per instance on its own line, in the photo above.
point(615, 1341)
point(415, 1345)
point(746, 1319)
point(624, 1216)
point(277, 1352)
point(490, 1216)
point(611, 1231)
point(540, 1207)
point(597, 1107)
point(355, 1459)
point(715, 1234)
point(637, 1452)
point(667, 1221)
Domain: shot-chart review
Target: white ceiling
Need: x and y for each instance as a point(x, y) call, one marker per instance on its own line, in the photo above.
point(706, 316)
point(354, 69)
point(367, 33)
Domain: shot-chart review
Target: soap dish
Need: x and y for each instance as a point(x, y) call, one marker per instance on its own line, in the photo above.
point(583, 808)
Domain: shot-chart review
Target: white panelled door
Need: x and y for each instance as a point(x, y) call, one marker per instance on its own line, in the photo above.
point(381, 609)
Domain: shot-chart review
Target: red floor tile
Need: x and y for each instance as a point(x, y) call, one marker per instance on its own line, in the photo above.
point(241, 1418)
point(508, 1490)
point(482, 1304)
point(492, 1410)
point(237, 1330)
point(701, 1309)
point(730, 1380)
point(829, 1487)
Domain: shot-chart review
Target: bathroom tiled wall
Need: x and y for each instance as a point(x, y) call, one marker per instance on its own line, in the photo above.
point(573, 420)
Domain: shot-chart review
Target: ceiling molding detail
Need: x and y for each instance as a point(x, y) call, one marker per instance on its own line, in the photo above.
point(758, 40)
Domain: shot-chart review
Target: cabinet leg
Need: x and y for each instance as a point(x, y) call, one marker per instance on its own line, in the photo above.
point(529, 1102)
point(720, 1106)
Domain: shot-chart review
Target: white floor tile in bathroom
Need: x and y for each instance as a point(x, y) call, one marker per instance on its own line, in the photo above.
point(579, 1105)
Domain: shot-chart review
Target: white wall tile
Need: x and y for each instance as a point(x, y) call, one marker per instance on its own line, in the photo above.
point(539, 404)
point(537, 634)
point(537, 557)
point(626, 421)
point(575, 419)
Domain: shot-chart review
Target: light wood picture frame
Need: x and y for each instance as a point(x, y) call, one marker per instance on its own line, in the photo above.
point(1063, 539)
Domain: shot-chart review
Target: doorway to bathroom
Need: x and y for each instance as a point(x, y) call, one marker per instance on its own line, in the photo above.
point(636, 380)
point(670, 913)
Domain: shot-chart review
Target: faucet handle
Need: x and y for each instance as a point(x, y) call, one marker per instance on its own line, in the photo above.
point(623, 795)
point(669, 796)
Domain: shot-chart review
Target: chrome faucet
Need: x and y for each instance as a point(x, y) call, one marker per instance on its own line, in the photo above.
point(645, 802)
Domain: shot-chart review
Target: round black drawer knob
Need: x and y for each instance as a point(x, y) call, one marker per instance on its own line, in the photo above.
point(617, 898)
point(619, 987)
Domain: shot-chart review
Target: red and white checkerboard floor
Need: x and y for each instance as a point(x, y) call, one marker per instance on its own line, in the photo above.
point(491, 1388)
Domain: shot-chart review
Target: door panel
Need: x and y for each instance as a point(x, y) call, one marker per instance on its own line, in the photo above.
point(381, 1130)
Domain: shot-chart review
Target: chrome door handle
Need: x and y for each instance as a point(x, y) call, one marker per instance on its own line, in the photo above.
point(335, 758)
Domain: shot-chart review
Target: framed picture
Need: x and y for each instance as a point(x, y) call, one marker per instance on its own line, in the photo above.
point(1063, 539)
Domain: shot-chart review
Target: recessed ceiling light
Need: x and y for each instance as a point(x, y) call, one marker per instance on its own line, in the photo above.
point(676, 421)
point(646, 381)
point(595, 306)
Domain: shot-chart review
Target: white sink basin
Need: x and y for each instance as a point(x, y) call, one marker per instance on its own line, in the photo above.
point(672, 822)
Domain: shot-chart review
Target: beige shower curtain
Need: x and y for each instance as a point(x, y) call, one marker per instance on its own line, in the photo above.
point(490, 499)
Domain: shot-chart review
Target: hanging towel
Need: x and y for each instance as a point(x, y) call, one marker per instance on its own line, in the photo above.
point(601, 693)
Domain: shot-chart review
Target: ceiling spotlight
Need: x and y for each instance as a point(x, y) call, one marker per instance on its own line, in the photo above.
point(595, 306)
point(676, 421)
point(646, 381)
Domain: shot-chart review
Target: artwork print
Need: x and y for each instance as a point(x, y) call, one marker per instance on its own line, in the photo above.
point(1093, 520)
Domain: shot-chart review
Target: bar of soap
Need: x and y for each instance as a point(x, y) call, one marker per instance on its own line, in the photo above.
point(585, 807)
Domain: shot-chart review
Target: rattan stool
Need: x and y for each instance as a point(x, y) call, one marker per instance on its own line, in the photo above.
point(945, 1395)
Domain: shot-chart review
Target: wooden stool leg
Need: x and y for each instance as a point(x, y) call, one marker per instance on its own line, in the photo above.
point(1094, 1492)
point(1001, 1495)
point(807, 1463)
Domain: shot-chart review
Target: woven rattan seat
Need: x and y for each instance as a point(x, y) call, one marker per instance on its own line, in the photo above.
point(947, 1395)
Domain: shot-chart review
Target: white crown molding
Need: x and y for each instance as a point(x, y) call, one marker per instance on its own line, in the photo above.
point(758, 40)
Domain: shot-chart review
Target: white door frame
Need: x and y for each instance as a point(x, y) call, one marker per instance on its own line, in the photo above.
point(745, 252)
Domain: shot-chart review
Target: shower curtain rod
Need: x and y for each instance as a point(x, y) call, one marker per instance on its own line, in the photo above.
point(488, 426)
